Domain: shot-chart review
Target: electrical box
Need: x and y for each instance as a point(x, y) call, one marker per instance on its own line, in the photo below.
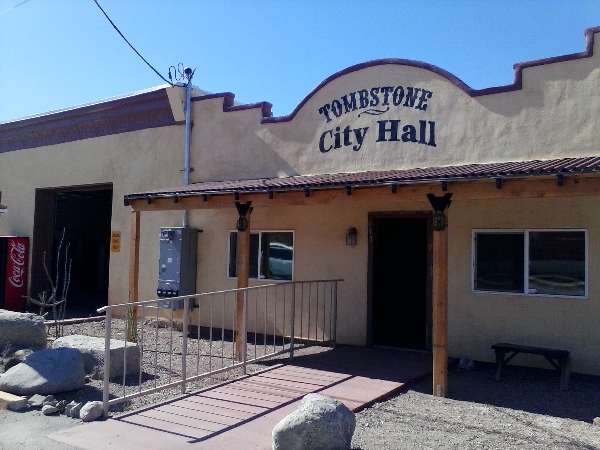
point(177, 265)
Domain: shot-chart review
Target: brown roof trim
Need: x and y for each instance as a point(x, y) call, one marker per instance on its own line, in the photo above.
point(229, 104)
point(516, 85)
point(467, 172)
point(147, 110)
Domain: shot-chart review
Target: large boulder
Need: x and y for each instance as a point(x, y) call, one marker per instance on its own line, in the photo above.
point(320, 422)
point(48, 371)
point(21, 330)
point(92, 349)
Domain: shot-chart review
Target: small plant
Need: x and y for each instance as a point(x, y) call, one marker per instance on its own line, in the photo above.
point(131, 323)
point(55, 299)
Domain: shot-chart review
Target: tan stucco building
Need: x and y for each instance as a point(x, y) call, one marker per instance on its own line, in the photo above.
point(343, 180)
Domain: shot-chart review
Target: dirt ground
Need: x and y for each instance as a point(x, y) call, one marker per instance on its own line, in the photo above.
point(524, 411)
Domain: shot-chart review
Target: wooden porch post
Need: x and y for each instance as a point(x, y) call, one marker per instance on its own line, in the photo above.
point(243, 274)
point(440, 294)
point(134, 271)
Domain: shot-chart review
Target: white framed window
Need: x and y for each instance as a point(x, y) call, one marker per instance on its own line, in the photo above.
point(271, 255)
point(547, 262)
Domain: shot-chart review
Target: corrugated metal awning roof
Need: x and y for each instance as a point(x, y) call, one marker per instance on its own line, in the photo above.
point(466, 172)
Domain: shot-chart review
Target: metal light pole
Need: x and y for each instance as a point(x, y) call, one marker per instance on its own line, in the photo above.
point(187, 137)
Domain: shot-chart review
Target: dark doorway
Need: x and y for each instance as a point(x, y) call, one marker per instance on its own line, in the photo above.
point(399, 281)
point(84, 213)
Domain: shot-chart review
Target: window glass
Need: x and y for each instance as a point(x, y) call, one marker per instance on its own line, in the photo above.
point(557, 262)
point(499, 263)
point(253, 254)
point(277, 255)
point(275, 258)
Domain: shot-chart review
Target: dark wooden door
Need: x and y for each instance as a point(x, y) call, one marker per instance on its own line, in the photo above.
point(399, 264)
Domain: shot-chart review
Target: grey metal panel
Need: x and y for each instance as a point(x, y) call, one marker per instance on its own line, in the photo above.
point(177, 263)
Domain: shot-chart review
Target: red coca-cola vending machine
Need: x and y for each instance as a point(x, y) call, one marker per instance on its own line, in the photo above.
point(14, 255)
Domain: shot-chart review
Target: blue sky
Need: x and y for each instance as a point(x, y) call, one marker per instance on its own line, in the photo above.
point(60, 53)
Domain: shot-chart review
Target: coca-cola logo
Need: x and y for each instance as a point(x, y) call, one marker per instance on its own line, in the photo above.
point(16, 254)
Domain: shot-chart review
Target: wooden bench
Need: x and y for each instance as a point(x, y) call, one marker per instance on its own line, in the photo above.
point(560, 359)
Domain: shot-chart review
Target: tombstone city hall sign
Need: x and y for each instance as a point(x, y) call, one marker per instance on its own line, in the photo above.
point(376, 101)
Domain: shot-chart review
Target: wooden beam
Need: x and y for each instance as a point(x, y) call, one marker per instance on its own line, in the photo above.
point(134, 269)
point(538, 187)
point(440, 312)
point(134, 256)
point(243, 275)
point(439, 293)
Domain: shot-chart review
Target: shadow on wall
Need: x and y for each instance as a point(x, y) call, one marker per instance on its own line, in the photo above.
point(523, 388)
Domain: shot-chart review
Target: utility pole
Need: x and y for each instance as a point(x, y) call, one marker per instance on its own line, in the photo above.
point(187, 137)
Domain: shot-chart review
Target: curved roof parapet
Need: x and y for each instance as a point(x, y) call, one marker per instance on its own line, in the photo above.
point(230, 105)
point(130, 112)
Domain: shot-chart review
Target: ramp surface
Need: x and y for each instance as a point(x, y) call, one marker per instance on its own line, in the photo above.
point(242, 413)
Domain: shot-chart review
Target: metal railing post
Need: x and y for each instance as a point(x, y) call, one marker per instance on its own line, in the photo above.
point(107, 335)
point(244, 337)
point(335, 302)
point(293, 316)
point(184, 343)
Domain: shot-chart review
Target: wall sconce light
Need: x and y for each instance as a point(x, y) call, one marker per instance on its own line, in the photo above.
point(351, 237)
point(3, 209)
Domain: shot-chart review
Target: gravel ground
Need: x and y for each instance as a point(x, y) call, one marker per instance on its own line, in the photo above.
point(161, 365)
point(524, 411)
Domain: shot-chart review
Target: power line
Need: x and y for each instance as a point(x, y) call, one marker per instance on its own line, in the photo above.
point(129, 43)
point(15, 6)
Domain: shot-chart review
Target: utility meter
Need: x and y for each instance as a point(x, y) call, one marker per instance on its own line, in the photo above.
point(177, 265)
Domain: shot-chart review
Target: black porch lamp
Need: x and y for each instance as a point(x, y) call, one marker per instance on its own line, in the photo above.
point(351, 237)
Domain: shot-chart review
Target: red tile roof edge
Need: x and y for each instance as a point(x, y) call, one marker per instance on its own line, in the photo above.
point(467, 172)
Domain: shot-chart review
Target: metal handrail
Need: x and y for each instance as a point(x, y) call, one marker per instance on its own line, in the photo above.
point(224, 291)
point(315, 300)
